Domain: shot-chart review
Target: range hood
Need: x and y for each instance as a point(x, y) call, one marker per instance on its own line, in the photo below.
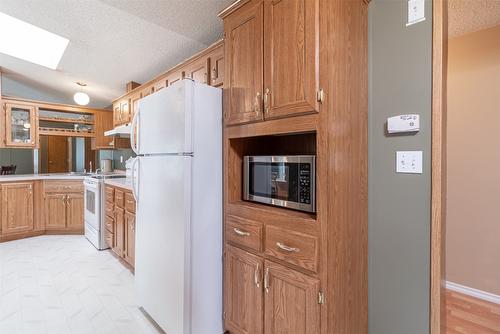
point(122, 131)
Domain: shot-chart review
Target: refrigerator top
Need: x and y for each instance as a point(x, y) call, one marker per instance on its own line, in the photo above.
point(167, 121)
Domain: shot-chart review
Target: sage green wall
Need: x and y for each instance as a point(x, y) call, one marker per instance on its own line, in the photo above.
point(399, 205)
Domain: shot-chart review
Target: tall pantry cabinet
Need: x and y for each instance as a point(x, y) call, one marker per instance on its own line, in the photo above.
point(295, 82)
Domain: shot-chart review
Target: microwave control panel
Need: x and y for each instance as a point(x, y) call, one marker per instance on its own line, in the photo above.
point(305, 183)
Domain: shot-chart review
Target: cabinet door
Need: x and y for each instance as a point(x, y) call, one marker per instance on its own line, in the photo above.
point(124, 111)
point(17, 207)
point(243, 292)
point(74, 211)
point(291, 57)
point(116, 114)
point(20, 125)
point(160, 84)
point(174, 77)
point(134, 104)
point(291, 301)
point(147, 91)
point(198, 70)
point(243, 49)
point(55, 211)
point(119, 235)
point(217, 67)
point(130, 238)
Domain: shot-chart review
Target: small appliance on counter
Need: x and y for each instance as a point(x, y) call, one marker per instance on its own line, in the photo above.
point(106, 165)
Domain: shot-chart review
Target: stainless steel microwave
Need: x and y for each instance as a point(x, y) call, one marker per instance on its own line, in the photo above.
point(288, 181)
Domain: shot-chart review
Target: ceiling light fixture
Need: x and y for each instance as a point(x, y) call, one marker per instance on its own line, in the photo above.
point(81, 98)
point(28, 42)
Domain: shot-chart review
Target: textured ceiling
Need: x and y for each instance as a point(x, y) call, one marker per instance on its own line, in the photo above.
point(466, 16)
point(113, 41)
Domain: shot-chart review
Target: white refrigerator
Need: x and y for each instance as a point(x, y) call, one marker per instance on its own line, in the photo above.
point(177, 182)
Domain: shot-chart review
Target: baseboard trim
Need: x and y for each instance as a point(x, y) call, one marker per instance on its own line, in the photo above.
point(483, 295)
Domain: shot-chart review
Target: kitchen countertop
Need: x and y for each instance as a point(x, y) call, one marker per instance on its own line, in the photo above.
point(123, 183)
point(33, 177)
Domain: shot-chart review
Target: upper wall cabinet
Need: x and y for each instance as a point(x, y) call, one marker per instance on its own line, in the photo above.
point(216, 60)
point(272, 60)
point(20, 125)
point(198, 70)
point(243, 32)
point(206, 67)
point(291, 57)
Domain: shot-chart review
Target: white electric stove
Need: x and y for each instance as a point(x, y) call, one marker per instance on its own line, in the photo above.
point(94, 210)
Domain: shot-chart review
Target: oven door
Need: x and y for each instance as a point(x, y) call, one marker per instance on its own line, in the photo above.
point(286, 181)
point(92, 201)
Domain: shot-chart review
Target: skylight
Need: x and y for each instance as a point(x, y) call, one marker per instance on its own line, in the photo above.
point(28, 42)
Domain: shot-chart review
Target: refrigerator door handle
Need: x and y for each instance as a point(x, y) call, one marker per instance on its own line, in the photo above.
point(134, 177)
point(133, 127)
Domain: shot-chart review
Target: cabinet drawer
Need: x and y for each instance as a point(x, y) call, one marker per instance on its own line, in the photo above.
point(109, 238)
point(109, 209)
point(63, 186)
point(119, 198)
point(129, 202)
point(244, 232)
point(294, 247)
point(110, 194)
point(109, 223)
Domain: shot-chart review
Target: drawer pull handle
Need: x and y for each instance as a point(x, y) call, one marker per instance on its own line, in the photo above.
point(287, 248)
point(240, 232)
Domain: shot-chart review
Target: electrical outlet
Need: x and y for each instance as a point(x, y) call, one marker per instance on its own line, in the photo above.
point(409, 162)
point(121, 159)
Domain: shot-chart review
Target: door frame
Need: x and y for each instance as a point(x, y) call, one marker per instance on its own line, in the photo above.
point(438, 166)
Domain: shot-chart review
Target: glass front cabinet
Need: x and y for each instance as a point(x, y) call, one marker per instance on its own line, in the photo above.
point(20, 125)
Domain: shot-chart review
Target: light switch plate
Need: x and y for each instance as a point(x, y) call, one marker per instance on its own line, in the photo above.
point(416, 11)
point(409, 162)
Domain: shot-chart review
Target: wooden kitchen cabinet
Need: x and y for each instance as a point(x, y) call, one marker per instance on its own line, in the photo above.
point(74, 211)
point(272, 60)
point(119, 228)
point(243, 297)
point(291, 57)
point(216, 61)
point(20, 125)
point(243, 80)
point(291, 301)
point(174, 77)
point(103, 123)
point(17, 207)
point(120, 223)
point(198, 70)
point(121, 112)
point(134, 104)
point(55, 211)
point(64, 206)
point(129, 250)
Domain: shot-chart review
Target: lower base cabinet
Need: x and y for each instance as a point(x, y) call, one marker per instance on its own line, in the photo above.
point(265, 297)
point(243, 298)
point(17, 207)
point(120, 223)
point(64, 206)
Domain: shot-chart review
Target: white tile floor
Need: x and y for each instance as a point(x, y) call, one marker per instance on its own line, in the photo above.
point(62, 284)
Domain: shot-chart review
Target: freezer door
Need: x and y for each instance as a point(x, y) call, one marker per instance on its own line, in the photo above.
point(163, 122)
point(163, 239)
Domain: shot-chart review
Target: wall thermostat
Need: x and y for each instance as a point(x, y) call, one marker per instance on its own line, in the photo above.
point(403, 123)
